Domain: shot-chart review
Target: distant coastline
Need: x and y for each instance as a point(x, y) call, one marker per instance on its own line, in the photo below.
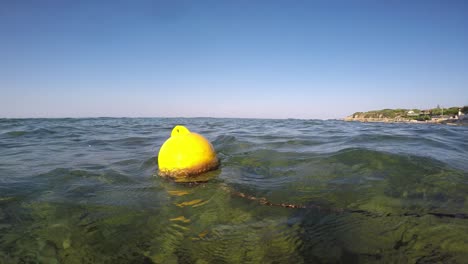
point(450, 116)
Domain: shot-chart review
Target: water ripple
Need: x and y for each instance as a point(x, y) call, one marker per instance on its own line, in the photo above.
point(86, 190)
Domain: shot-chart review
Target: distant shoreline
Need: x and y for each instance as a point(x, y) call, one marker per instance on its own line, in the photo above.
point(445, 116)
point(453, 122)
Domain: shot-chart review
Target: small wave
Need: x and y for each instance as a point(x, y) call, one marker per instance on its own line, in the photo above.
point(150, 163)
point(135, 141)
point(383, 138)
point(223, 140)
point(43, 131)
point(97, 142)
point(64, 176)
point(123, 142)
point(35, 132)
point(16, 133)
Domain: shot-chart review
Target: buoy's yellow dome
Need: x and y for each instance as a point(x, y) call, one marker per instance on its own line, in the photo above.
point(186, 154)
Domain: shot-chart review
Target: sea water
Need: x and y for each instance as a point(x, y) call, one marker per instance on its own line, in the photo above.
point(87, 191)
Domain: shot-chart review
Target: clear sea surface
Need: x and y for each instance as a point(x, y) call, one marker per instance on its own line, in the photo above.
point(87, 191)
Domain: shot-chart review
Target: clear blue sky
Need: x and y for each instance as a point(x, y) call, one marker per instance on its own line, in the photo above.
point(267, 59)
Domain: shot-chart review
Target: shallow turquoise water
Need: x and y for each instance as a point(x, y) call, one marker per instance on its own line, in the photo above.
point(86, 191)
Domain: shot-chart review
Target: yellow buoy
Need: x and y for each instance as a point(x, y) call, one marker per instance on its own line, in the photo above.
point(186, 154)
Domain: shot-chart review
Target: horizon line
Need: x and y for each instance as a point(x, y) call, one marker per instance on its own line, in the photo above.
point(179, 117)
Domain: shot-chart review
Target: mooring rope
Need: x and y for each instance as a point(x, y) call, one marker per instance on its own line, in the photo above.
point(266, 202)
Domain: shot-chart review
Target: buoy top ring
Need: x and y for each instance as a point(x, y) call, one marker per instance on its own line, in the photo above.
point(179, 130)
